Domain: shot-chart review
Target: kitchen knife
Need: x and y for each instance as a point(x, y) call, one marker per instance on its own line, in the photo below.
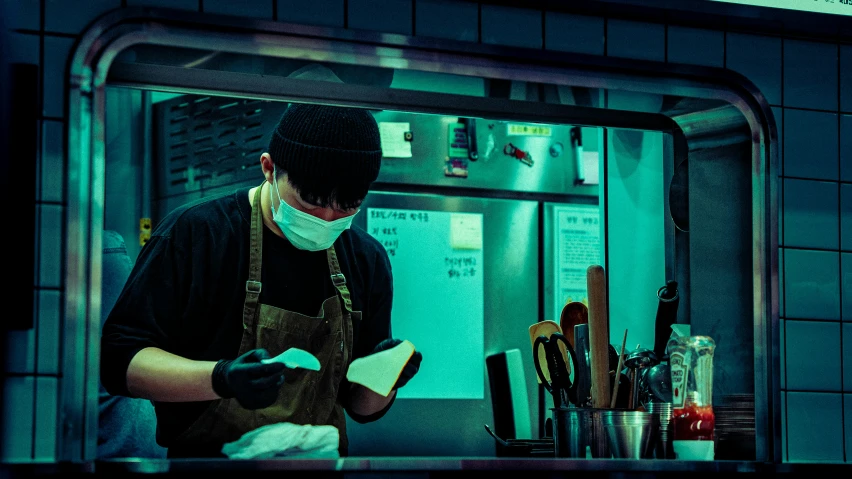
point(669, 298)
point(598, 336)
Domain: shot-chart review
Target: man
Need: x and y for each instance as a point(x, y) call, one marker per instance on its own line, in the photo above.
point(228, 281)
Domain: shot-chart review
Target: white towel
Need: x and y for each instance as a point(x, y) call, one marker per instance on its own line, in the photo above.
point(286, 439)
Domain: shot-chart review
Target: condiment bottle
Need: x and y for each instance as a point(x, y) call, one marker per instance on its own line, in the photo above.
point(693, 420)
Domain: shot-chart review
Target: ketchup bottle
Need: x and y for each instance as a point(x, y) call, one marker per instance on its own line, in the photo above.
point(693, 420)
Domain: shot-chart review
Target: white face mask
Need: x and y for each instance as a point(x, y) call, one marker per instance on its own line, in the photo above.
point(305, 231)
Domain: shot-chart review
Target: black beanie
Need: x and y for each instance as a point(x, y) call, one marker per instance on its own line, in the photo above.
point(327, 144)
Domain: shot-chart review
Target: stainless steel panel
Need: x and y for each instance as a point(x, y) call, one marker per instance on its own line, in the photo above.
point(416, 427)
point(553, 169)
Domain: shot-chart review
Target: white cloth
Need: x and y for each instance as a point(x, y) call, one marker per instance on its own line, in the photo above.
point(286, 439)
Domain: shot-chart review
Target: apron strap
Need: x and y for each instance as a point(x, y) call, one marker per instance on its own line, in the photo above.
point(338, 279)
point(255, 255)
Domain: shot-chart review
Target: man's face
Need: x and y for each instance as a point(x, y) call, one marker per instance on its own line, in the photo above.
point(291, 196)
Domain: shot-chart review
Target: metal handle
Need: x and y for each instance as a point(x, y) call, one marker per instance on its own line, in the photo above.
point(541, 340)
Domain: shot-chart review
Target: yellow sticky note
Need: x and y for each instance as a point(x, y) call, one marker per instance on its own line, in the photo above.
point(466, 231)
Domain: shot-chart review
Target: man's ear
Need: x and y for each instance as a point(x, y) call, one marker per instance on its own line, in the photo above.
point(267, 166)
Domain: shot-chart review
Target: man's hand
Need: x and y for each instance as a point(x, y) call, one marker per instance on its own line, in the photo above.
point(253, 384)
point(411, 367)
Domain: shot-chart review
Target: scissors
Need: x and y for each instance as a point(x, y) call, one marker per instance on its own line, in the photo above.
point(560, 386)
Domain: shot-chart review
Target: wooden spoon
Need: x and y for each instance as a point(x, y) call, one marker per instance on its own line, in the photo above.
point(573, 313)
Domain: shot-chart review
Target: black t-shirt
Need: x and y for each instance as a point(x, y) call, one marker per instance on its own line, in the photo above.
point(186, 292)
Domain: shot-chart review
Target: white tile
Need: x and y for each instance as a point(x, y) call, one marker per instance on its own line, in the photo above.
point(846, 147)
point(846, 284)
point(56, 53)
point(815, 427)
point(804, 62)
point(847, 406)
point(19, 351)
point(16, 436)
point(847, 353)
point(240, 8)
point(696, 46)
point(639, 40)
point(846, 217)
point(780, 211)
point(21, 14)
point(784, 426)
point(846, 78)
point(511, 26)
point(812, 285)
point(52, 171)
point(49, 331)
point(73, 16)
point(447, 19)
point(811, 214)
point(781, 310)
point(46, 418)
point(782, 326)
point(758, 58)
point(176, 4)
point(50, 246)
point(327, 13)
point(389, 16)
point(811, 144)
point(813, 356)
point(574, 33)
point(23, 48)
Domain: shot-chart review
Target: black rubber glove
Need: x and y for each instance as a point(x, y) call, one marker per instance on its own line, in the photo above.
point(411, 367)
point(253, 384)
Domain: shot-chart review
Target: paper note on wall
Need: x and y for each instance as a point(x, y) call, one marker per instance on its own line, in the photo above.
point(465, 231)
point(394, 144)
point(438, 301)
point(578, 246)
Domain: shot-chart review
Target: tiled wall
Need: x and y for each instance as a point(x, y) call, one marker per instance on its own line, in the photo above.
point(809, 85)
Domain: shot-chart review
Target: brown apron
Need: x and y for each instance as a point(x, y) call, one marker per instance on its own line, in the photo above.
point(307, 397)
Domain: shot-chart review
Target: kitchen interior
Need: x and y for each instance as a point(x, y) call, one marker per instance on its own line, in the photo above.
point(508, 174)
point(491, 224)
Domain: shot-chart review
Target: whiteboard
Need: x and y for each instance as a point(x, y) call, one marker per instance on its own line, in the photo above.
point(442, 310)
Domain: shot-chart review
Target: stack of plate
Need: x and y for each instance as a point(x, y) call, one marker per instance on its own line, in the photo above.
point(735, 427)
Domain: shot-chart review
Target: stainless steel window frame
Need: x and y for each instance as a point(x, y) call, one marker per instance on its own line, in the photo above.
point(99, 46)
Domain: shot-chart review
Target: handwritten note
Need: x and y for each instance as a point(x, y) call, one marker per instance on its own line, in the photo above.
point(394, 144)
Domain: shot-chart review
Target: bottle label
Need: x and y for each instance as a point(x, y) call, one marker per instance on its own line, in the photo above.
point(679, 372)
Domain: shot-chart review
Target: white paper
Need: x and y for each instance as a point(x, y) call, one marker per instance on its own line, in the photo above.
point(465, 231)
point(295, 358)
point(577, 236)
point(394, 144)
point(591, 168)
point(379, 372)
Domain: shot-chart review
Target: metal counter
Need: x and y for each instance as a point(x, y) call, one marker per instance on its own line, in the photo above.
point(410, 467)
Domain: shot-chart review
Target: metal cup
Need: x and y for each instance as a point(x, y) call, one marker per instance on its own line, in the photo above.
point(600, 445)
point(631, 434)
point(569, 431)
